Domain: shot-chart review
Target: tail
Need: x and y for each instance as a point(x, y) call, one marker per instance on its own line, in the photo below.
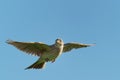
point(37, 65)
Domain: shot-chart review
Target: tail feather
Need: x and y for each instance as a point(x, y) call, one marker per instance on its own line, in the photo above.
point(37, 65)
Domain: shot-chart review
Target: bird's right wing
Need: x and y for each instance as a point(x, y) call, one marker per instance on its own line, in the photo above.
point(34, 48)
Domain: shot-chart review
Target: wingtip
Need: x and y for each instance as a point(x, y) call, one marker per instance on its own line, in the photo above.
point(92, 44)
point(27, 68)
point(9, 41)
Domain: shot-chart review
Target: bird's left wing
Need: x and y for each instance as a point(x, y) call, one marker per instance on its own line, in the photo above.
point(70, 46)
point(34, 48)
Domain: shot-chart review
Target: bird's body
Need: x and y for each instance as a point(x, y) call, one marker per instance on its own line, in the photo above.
point(46, 57)
point(53, 53)
point(45, 52)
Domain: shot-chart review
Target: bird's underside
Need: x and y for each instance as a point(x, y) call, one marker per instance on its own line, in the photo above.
point(44, 51)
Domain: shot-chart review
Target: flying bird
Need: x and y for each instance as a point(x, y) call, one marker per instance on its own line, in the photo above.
point(45, 52)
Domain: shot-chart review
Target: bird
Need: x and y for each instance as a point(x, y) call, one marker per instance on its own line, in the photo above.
point(45, 52)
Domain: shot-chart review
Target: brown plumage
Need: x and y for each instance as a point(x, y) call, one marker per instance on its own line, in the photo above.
point(44, 51)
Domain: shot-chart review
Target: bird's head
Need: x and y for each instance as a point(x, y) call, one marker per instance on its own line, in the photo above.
point(59, 42)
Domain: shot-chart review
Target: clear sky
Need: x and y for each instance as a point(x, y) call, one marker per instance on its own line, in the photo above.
point(84, 21)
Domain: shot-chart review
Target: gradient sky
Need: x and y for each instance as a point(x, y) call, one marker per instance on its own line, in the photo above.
point(84, 21)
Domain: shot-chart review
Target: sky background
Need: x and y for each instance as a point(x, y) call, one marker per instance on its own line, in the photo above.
point(84, 21)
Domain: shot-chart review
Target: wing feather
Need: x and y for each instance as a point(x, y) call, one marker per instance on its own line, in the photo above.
point(34, 48)
point(73, 45)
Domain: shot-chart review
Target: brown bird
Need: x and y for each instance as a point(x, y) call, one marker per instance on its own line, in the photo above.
point(44, 51)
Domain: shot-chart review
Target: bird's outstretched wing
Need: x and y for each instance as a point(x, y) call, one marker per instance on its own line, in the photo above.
point(70, 46)
point(34, 48)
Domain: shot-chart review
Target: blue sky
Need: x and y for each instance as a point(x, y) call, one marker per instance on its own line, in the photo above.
point(84, 21)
